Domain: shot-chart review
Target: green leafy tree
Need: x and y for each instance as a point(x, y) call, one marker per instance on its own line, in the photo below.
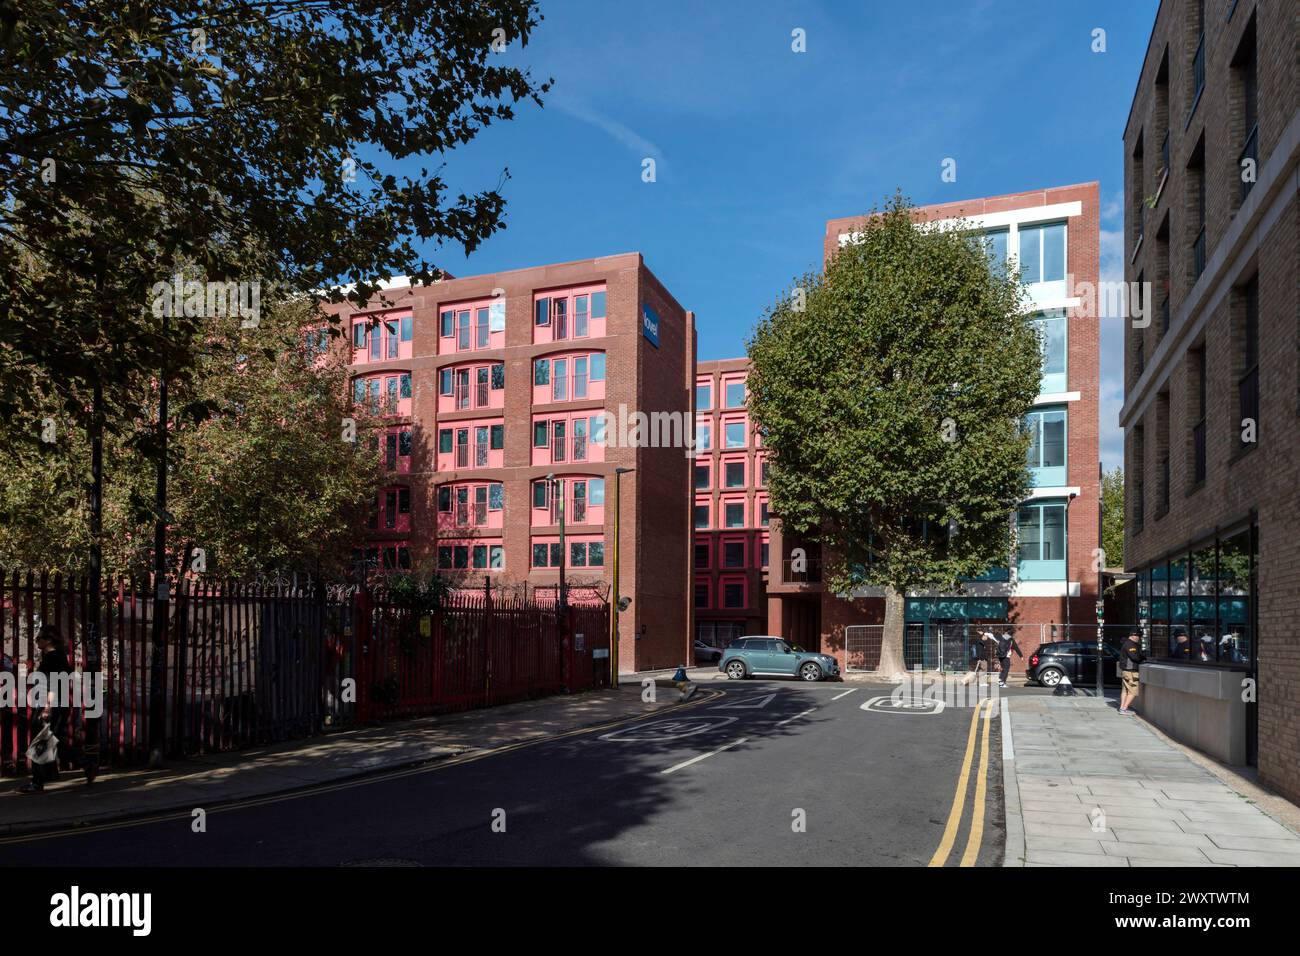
point(266, 474)
point(1112, 517)
point(891, 391)
point(297, 144)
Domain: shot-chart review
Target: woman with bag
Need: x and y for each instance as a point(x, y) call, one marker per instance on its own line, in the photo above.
point(53, 719)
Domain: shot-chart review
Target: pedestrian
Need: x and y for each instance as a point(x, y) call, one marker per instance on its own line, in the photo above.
point(1005, 645)
point(1130, 663)
point(1182, 647)
point(55, 713)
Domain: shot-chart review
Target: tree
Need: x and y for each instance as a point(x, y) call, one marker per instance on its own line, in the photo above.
point(264, 477)
point(891, 392)
point(1112, 517)
point(241, 140)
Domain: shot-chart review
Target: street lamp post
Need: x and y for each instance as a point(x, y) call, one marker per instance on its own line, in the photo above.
point(616, 603)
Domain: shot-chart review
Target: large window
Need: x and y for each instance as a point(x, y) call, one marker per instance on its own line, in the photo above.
point(1040, 530)
point(1053, 343)
point(1047, 446)
point(1042, 253)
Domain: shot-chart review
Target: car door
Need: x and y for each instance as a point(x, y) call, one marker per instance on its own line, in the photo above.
point(784, 659)
point(1086, 668)
point(762, 656)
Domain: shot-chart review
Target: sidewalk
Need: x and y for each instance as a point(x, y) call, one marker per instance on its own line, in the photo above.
point(1088, 787)
point(211, 780)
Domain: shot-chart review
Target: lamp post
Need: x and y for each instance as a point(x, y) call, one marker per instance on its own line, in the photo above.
point(557, 491)
point(617, 603)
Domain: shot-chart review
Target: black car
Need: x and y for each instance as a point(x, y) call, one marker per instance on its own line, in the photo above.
point(1077, 659)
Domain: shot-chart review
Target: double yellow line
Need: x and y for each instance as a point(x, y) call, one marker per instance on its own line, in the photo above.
point(976, 834)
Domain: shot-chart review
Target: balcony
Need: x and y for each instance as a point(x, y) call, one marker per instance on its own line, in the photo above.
point(1249, 152)
point(811, 572)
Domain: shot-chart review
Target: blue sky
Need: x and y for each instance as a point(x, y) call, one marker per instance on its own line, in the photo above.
point(756, 146)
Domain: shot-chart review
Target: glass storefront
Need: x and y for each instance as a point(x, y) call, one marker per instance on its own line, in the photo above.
point(1199, 606)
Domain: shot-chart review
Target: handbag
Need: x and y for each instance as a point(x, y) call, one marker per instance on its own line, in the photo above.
point(44, 748)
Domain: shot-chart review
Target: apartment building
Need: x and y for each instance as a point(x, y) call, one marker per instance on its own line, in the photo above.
point(1052, 579)
point(513, 397)
point(1212, 382)
point(730, 508)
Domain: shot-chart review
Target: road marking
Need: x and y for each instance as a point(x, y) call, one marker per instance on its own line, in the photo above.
point(976, 835)
point(711, 753)
point(959, 800)
point(751, 703)
point(166, 816)
point(796, 716)
point(923, 706)
point(851, 690)
point(664, 730)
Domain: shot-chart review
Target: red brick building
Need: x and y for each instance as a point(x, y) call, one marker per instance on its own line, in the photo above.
point(1053, 234)
point(1211, 152)
point(730, 508)
point(514, 394)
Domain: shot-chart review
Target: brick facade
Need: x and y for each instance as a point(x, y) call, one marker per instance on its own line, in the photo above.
point(1251, 242)
point(654, 552)
point(799, 608)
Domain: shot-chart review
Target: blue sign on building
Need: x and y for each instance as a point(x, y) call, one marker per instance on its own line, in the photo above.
point(650, 324)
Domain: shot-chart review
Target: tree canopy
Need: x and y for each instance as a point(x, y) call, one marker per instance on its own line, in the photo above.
point(891, 390)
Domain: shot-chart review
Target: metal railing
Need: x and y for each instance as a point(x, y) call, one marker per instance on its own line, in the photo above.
point(809, 571)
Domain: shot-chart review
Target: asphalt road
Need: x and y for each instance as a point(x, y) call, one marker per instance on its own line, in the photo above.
point(752, 773)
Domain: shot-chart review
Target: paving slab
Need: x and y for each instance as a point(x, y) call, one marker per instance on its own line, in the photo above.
point(1164, 804)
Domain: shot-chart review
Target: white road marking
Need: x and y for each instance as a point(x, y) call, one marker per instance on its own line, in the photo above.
point(851, 690)
point(796, 716)
point(711, 753)
point(749, 703)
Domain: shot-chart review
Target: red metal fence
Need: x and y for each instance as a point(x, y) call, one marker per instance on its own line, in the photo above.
point(244, 665)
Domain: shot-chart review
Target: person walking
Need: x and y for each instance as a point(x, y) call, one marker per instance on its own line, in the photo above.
point(54, 716)
point(1005, 645)
point(1130, 664)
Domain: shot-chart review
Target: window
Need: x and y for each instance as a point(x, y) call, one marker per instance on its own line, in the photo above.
point(546, 554)
point(703, 436)
point(1198, 59)
point(735, 395)
point(703, 398)
point(703, 599)
point(498, 437)
point(587, 554)
point(598, 366)
point(1244, 66)
point(702, 477)
point(1246, 426)
point(733, 514)
point(702, 556)
point(1042, 253)
point(542, 312)
point(733, 554)
point(702, 516)
point(995, 241)
point(1197, 382)
point(541, 434)
point(444, 441)
point(764, 518)
point(1196, 188)
point(1040, 530)
point(734, 474)
point(734, 434)
point(542, 372)
point(733, 593)
point(1047, 446)
point(762, 471)
point(1053, 345)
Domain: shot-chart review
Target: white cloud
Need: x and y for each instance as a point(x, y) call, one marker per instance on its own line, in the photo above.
point(620, 132)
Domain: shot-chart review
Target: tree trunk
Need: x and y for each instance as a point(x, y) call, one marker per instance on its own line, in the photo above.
point(891, 665)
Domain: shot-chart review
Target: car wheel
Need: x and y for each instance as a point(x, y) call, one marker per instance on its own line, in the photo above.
point(810, 672)
point(1050, 676)
point(736, 670)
